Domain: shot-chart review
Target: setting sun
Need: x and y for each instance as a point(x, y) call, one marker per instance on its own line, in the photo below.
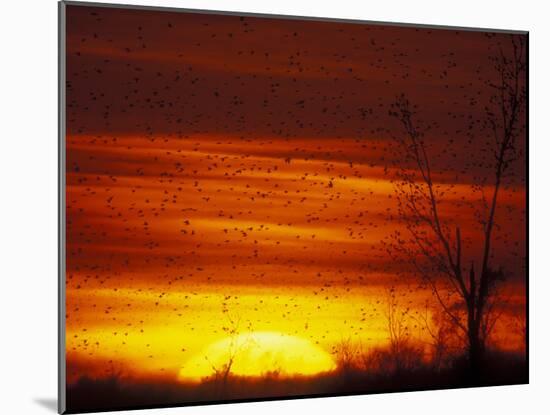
point(258, 354)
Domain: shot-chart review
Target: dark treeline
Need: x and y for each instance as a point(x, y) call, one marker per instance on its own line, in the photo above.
point(118, 392)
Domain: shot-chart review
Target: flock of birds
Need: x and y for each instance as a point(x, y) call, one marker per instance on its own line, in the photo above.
point(227, 151)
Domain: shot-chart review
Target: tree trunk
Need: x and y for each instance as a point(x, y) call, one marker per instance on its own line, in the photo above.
point(475, 348)
point(474, 353)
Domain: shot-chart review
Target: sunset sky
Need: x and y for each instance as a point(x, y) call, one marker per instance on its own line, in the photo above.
point(226, 168)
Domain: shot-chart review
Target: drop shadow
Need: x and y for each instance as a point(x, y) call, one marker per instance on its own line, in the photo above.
point(48, 403)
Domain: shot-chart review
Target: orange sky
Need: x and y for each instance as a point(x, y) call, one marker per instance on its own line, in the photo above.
point(152, 256)
point(210, 174)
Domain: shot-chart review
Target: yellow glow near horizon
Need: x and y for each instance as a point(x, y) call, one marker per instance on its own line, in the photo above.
point(257, 354)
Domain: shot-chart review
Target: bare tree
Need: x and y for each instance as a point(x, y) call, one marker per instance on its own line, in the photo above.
point(404, 355)
point(434, 246)
point(398, 329)
point(236, 344)
point(347, 354)
point(440, 332)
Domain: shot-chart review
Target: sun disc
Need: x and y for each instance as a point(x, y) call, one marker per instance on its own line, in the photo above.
point(257, 354)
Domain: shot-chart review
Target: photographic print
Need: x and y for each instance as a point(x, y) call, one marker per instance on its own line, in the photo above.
point(269, 207)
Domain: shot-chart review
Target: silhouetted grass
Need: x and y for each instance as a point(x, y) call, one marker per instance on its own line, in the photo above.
point(499, 368)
